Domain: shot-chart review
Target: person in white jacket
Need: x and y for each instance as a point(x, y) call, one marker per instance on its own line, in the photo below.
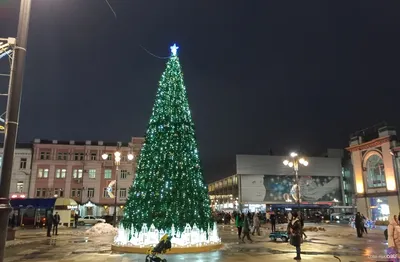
point(393, 236)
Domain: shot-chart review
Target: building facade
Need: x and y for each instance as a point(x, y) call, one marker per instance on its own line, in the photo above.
point(374, 155)
point(21, 172)
point(224, 194)
point(264, 181)
point(76, 170)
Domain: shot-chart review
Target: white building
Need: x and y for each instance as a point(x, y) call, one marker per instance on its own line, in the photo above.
point(264, 180)
point(21, 173)
point(375, 158)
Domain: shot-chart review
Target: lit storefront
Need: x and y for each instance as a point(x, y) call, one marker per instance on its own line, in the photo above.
point(374, 157)
point(224, 194)
point(379, 208)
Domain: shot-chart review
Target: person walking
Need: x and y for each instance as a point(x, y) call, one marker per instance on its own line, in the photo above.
point(256, 225)
point(239, 223)
point(76, 218)
point(49, 223)
point(295, 234)
point(56, 221)
point(358, 224)
point(273, 222)
point(246, 229)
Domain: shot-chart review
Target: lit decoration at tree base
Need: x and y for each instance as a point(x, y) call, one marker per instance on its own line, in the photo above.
point(190, 237)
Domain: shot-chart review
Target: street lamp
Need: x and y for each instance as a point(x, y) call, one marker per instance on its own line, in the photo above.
point(12, 118)
point(117, 162)
point(294, 162)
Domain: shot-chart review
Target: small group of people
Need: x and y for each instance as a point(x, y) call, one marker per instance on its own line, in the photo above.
point(360, 224)
point(244, 223)
point(52, 222)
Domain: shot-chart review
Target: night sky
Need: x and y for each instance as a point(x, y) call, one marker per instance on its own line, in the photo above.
point(259, 74)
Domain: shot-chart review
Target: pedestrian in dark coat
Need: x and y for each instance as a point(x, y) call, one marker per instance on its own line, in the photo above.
point(358, 224)
point(49, 223)
point(56, 221)
point(296, 234)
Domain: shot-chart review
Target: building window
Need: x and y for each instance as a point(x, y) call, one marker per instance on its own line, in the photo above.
point(41, 192)
point(93, 156)
point(62, 156)
point(122, 193)
point(58, 192)
point(109, 157)
point(90, 192)
point(45, 155)
point(107, 173)
point(20, 187)
point(22, 163)
point(76, 192)
point(43, 173)
point(77, 173)
point(375, 172)
point(105, 193)
point(79, 156)
point(124, 174)
point(92, 173)
point(61, 173)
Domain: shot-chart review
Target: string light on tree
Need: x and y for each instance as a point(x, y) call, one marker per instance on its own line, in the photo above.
point(169, 194)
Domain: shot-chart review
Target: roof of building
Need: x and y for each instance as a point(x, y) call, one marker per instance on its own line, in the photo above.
point(20, 145)
point(45, 203)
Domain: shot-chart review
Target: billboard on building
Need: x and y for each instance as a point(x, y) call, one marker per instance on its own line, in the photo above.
point(279, 188)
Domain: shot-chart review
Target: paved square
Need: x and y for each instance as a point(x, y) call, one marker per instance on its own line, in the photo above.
point(337, 240)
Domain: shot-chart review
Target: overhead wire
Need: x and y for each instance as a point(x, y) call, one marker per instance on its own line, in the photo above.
point(147, 51)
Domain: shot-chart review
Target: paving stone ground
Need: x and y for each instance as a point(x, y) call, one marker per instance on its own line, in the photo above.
point(70, 246)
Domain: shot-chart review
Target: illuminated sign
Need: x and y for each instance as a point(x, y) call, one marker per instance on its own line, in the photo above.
point(110, 189)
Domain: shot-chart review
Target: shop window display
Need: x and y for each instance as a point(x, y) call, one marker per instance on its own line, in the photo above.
point(375, 172)
point(379, 208)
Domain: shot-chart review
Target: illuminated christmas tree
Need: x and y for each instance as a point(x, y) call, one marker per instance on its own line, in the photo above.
point(169, 188)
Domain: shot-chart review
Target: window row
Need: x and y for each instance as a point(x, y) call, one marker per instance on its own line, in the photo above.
point(77, 156)
point(23, 161)
point(78, 173)
point(47, 192)
point(76, 192)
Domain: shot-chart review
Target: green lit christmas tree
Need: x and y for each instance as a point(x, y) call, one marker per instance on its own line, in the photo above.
point(169, 188)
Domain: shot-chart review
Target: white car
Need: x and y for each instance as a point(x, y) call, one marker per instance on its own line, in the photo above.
point(91, 220)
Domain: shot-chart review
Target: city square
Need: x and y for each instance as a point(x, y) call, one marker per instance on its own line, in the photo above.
point(337, 240)
point(273, 146)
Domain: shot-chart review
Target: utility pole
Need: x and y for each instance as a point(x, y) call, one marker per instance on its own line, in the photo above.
point(11, 123)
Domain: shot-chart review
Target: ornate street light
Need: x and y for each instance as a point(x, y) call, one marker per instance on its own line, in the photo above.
point(294, 162)
point(117, 162)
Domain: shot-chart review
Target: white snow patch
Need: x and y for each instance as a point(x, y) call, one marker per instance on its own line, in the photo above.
point(17, 242)
point(101, 229)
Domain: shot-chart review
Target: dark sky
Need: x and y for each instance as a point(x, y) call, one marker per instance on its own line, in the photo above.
point(259, 74)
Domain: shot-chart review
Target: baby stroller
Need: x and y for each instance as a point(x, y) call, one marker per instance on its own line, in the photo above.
point(161, 248)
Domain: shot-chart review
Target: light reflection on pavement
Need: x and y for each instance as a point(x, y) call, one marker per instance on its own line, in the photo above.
point(319, 246)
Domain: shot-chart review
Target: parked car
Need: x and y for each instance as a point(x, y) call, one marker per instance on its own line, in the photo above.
point(91, 220)
point(346, 216)
point(282, 235)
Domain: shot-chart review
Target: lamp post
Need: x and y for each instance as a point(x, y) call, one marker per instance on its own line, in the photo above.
point(294, 162)
point(12, 118)
point(117, 162)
